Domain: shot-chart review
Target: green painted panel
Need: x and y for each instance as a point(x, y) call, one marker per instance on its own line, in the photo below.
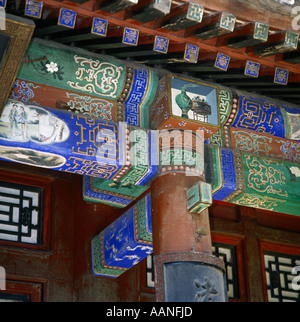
point(72, 69)
point(271, 184)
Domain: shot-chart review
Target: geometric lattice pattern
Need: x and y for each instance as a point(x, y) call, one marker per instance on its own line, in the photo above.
point(228, 254)
point(20, 213)
point(279, 277)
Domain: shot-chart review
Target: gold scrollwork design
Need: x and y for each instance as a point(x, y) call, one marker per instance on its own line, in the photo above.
point(264, 174)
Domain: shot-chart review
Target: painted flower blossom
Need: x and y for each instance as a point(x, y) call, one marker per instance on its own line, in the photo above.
point(52, 67)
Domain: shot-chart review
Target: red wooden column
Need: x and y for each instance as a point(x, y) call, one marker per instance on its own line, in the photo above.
point(185, 269)
point(174, 229)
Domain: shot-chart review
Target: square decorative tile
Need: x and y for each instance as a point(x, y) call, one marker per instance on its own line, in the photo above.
point(281, 76)
point(130, 36)
point(195, 12)
point(199, 197)
point(161, 44)
point(191, 53)
point(99, 27)
point(67, 18)
point(222, 61)
point(291, 39)
point(34, 8)
point(261, 31)
point(227, 21)
point(3, 3)
point(162, 5)
point(252, 69)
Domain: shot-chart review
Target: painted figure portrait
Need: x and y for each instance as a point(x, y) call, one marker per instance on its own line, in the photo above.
point(23, 123)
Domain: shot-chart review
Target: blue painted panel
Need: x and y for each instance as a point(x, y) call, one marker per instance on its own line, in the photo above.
point(60, 140)
point(260, 116)
point(99, 26)
point(67, 18)
point(33, 8)
point(120, 246)
point(125, 242)
point(148, 213)
point(222, 61)
point(161, 44)
point(130, 36)
point(229, 177)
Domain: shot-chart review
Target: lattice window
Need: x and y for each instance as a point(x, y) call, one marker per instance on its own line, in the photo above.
point(279, 277)
point(21, 213)
point(150, 280)
point(228, 254)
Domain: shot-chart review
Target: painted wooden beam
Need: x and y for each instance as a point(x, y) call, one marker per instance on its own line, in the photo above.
point(180, 105)
point(125, 242)
point(236, 177)
point(90, 76)
point(278, 43)
point(253, 181)
point(75, 143)
point(258, 125)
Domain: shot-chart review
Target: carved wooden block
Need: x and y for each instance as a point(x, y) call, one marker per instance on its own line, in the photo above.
point(192, 17)
point(156, 9)
point(199, 197)
point(215, 25)
point(249, 35)
point(278, 43)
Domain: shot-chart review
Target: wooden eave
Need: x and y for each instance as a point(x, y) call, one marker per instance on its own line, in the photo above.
point(276, 16)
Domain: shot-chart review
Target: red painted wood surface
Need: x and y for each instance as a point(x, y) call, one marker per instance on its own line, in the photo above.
point(62, 271)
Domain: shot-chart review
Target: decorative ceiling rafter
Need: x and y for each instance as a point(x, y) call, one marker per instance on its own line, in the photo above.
point(199, 38)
